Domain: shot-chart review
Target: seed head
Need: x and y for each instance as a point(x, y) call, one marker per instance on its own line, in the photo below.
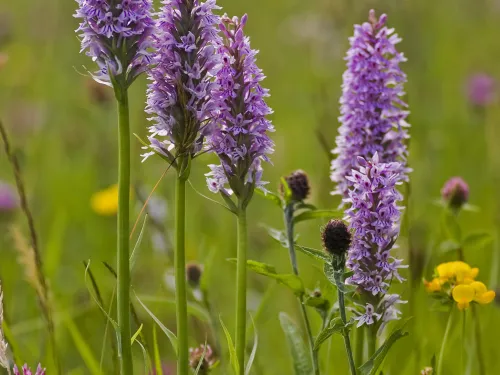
point(455, 192)
point(298, 182)
point(336, 237)
point(193, 274)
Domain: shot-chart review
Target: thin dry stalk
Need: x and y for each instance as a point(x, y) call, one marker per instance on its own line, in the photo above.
point(35, 259)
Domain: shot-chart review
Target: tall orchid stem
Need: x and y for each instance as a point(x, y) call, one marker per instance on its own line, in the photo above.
point(288, 215)
point(479, 343)
point(347, 341)
point(445, 340)
point(241, 288)
point(180, 273)
point(123, 277)
point(372, 339)
point(360, 345)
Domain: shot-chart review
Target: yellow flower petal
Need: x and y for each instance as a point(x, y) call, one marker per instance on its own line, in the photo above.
point(463, 305)
point(463, 294)
point(433, 286)
point(485, 298)
point(479, 287)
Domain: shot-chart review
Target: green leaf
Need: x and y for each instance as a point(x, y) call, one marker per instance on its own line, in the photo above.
point(373, 364)
point(315, 254)
point(278, 235)
point(171, 336)
point(300, 354)
point(137, 333)
point(287, 192)
point(233, 358)
point(133, 256)
point(156, 350)
point(452, 227)
point(309, 215)
point(290, 280)
point(269, 195)
point(251, 358)
point(335, 326)
point(336, 279)
point(82, 347)
point(476, 241)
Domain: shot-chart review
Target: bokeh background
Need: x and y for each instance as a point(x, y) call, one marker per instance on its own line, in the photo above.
point(63, 128)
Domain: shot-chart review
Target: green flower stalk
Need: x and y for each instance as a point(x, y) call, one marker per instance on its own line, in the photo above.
point(298, 185)
point(180, 100)
point(336, 241)
point(241, 142)
point(116, 35)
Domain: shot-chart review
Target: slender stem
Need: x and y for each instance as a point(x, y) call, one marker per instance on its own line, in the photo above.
point(479, 343)
point(372, 339)
point(289, 211)
point(180, 275)
point(123, 295)
point(360, 345)
point(347, 340)
point(443, 344)
point(213, 325)
point(241, 289)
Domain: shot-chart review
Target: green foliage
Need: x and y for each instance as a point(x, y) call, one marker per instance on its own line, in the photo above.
point(335, 326)
point(292, 281)
point(233, 358)
point(373, 364)
point(298, 350)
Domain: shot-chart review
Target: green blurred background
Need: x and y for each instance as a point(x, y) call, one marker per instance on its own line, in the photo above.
point(64, 132)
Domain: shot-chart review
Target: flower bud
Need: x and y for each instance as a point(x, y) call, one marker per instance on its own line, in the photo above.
point(455, 192)
point(193, 274)
point(336, 237)
point(8, 198)
point(195, 355)
point(298, 182)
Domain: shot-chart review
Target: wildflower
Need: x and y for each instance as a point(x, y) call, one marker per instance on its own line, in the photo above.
point(373, 114)
point(456, 280)
point(374, 219)
point(105, 202)
point(27, 371)
point(195, 356)
point(455, 192)
point(180, 95)
point(298, 182)
point(115, 34)
point(481, 89)
point(8, 198)
point(464, 294)
point(240, 139)
point(336, 237)
point(368, 317)
point(427, 371)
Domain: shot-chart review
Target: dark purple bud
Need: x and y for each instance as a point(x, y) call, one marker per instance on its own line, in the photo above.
point(193, 274)
point(455, 192)
point(298, 182)
point(336, 237)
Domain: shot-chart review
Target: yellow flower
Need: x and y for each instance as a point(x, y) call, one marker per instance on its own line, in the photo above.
point(456, 272)
point(105, 202)
point(483, 295)
point(463, 295)
point(433, 286)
